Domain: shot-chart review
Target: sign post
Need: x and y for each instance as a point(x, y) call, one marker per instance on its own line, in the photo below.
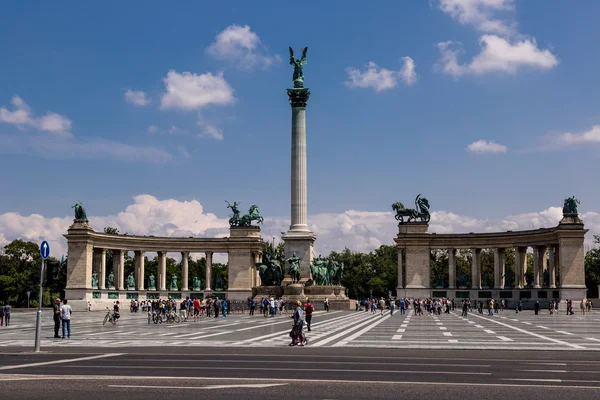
point(28, 294)
point(45, 252)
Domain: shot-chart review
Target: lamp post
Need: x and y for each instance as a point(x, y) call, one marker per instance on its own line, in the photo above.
point(28, 294)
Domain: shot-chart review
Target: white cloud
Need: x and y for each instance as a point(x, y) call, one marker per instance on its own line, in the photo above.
point(82, 148)
point(242, 47)
point(497, 55)
point(152, 129)
point(481, 14)
point(209, 130)
point(483, 146)
point(136, 97)
point(21, 117)
point(358, 230)
point(590, 136)
point(380, 78)
point(188, 91)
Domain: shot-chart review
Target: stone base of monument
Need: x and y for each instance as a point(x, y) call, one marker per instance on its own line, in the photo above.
point(267, 291)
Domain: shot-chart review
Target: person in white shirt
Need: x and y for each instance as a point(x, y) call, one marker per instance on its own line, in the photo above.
point(65, 315)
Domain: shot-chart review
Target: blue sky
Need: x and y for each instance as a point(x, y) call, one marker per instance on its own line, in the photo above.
point(518, 75)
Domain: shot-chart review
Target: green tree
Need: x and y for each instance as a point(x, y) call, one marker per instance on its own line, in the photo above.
point(592, 269)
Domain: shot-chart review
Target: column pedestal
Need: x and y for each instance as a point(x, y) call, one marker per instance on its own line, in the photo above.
point(300, 243)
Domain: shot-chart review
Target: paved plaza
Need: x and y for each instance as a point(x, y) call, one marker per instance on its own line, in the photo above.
point(504, 331)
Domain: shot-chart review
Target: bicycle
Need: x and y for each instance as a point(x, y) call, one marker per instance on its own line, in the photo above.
point(109, 317)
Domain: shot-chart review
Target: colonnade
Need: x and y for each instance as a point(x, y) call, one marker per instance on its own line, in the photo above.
point(118, 267)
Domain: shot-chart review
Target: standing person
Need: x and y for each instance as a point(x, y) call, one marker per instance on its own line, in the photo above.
point(224, 308)
point(216, 305)
point(536, 307)
point(265, 306)
point(326, 304)
point(402, 305)
point(392, 305)
point(297, 336)
point(1, 314)
point(65, 314)
point(56, 317)
point(381, 305)
point(117, 311)
point(308, 310)
point(252, 305)
point(196, 304)
point(7, 314)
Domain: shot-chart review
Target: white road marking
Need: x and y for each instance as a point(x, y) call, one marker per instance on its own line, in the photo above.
point(543, 327)
point(452, 340)
point(401, 330)
point(212, 334)
point(565, 333)
point(70, 360)
point(443, 328)
point(447, 333)
point(396, 337)
point(353, 336)
point(505, 339)
point(251, 385)
point(575, 346)
point(403, 326)
point(489, 331)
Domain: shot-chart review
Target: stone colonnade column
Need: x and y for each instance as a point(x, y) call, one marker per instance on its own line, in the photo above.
point(119, 267)
point(162, 270)
point(538, 253)
point(299, 98)
point(139, 268)
point(552, 267)
point(209, 256)
point(256, 274)
point(102, 282)
point(476, 268)
point(499, 268)
point(451, 268)
point(400, 273)
point(520, 266)
point(184, 270)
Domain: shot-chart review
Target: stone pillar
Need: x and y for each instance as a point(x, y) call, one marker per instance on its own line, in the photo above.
point(184, 271)
point(538, 253)
point(417, 260)
point(139, 267)
point(552, 267)
point(299, 239)
point(570, 254)
point(476, 268)
point(209, 255)
point(499, 265)
point(520, 266)
point(451, 268)
point(119, 266)
point(162, 270)
point(102, 280)
point(400, 272)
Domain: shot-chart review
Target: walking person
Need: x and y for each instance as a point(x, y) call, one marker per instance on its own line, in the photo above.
point(381, 305)
point(297, 336)
point(1, 314)
point(308, 310)
point(216, 307)
point(7, 310)
point(224, 308)
point(326, 304)
point(536, 307)
point(65, 314)
point(56, 317)
point(252, 305)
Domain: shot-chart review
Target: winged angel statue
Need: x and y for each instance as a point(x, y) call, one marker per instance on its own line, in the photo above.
point(298, 64)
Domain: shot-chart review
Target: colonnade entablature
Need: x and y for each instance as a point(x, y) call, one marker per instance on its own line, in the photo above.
point(88, 276)
point(558, 256)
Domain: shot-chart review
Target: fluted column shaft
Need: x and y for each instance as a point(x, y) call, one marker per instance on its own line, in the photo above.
point(209, 255)
point(119, 266)
point(451, 268)
point(162, 270)
point(499, 268)
point(476, 268)
point(139, 264)
point(552, 266)
point(400, 272)
point(299, 183)
point(184, 270)
point(102, 282)
point(538, 253)
point(520, 266)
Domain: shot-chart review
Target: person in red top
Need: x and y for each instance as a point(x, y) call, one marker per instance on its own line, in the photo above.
point(196, 309)
point(308, 310)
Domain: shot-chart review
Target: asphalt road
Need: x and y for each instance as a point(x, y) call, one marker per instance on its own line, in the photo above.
point(298, 373)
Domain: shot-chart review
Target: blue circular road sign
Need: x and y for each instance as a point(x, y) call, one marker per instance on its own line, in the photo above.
point(44, 249)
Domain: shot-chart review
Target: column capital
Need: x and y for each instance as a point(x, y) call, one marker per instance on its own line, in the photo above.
point(298, 97)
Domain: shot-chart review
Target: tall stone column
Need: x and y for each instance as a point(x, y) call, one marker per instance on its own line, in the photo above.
point(476, 268)
point(520, 266)
point(451, 268)
point(299, 239)
point(552, 267)
point(139, 264)
point(102, 281)
point(119, 266)
point(184, 270)
point(400, 270)
point(209, 256)
point(499, 264)
point(162, 270)
point(537, 265)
